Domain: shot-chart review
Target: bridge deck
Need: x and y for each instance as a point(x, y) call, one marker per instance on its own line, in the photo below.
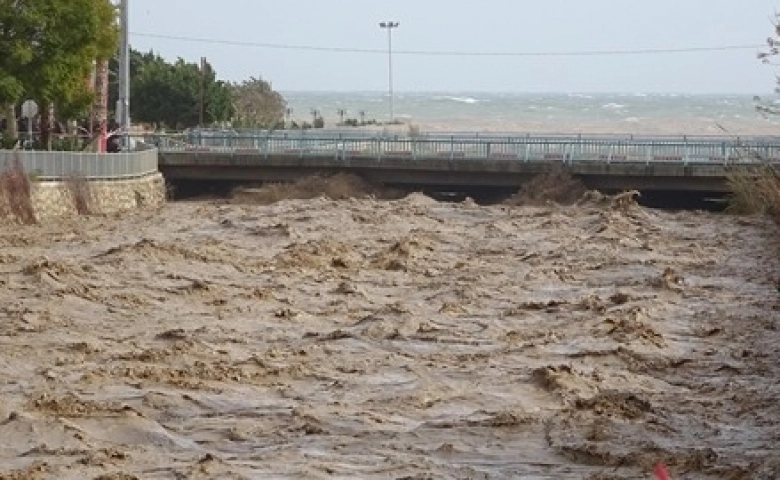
point(684, 163)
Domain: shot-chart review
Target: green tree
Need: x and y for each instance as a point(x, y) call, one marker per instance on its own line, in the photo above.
point(53, 45)
point(137, 61)
point(16, 31)
point(257, 105)
point(72, 35)
point(169, 94)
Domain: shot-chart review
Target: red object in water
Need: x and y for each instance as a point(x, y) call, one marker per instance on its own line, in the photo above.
point(661, 473)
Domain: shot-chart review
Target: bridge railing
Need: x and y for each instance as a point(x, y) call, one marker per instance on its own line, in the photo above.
point(564, 149)
point(94, 166)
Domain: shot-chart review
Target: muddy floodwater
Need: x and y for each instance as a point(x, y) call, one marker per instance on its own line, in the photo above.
point(403, 339)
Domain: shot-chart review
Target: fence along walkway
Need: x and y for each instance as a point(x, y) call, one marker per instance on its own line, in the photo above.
point(93, 166)
point(527, 148)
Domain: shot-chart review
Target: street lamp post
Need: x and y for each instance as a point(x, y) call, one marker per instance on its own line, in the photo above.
point(389, 26)
point(123, 103)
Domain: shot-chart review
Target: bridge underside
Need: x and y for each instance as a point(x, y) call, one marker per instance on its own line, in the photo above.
point(442, 173)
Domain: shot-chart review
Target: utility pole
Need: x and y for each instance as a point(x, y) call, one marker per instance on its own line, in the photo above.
point(389, 26)
point(123, 101)
point(202, 90)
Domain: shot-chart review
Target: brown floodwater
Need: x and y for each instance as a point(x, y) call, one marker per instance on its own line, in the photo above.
point(390, 339)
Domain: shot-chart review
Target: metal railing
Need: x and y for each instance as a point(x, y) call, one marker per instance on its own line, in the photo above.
point(93, 166)
point(525, 148)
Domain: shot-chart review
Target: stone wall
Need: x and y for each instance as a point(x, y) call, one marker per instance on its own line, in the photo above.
point(59, 199)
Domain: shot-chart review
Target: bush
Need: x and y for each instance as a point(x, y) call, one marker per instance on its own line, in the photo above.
point(7, 143)
point(81, 193)
point(66, 144)
point(16, 194)
point(755, 191)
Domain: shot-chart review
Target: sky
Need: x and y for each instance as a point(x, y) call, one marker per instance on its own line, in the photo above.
point(237, 31)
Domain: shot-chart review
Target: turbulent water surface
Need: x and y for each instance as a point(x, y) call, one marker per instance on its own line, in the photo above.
point(637, 113)
point(396, 339)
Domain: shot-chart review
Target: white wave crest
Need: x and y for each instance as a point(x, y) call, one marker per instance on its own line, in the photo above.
point(468, 100)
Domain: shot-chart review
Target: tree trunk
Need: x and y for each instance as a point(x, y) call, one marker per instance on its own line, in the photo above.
point(12, 128)
point(45, 127)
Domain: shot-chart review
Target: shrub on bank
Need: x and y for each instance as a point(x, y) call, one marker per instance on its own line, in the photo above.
point(81, 193)
point(755, 191)
point(16, 194)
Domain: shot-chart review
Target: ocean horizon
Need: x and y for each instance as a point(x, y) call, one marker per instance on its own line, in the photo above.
point(594, 113)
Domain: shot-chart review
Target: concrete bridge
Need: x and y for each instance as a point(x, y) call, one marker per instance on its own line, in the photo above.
point(453, 161)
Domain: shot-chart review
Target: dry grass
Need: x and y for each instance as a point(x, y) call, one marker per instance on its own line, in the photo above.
point(170, 191)
point(81, 193)
point(556, 185)
point(755, 191)
point(16, 194)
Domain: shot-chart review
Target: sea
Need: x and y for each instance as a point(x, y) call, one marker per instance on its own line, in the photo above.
point(553, 113)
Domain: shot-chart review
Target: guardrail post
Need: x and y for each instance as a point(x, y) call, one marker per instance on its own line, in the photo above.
point(649, 154)
point(575, 152)
point(527, 147)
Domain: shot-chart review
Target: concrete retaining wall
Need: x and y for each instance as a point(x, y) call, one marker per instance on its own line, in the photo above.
point(57, 199)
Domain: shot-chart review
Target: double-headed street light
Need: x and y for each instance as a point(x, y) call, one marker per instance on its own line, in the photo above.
point(389, 26)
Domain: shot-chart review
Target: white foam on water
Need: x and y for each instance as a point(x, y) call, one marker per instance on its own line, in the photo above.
point(468, 100)
point(667, 113)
